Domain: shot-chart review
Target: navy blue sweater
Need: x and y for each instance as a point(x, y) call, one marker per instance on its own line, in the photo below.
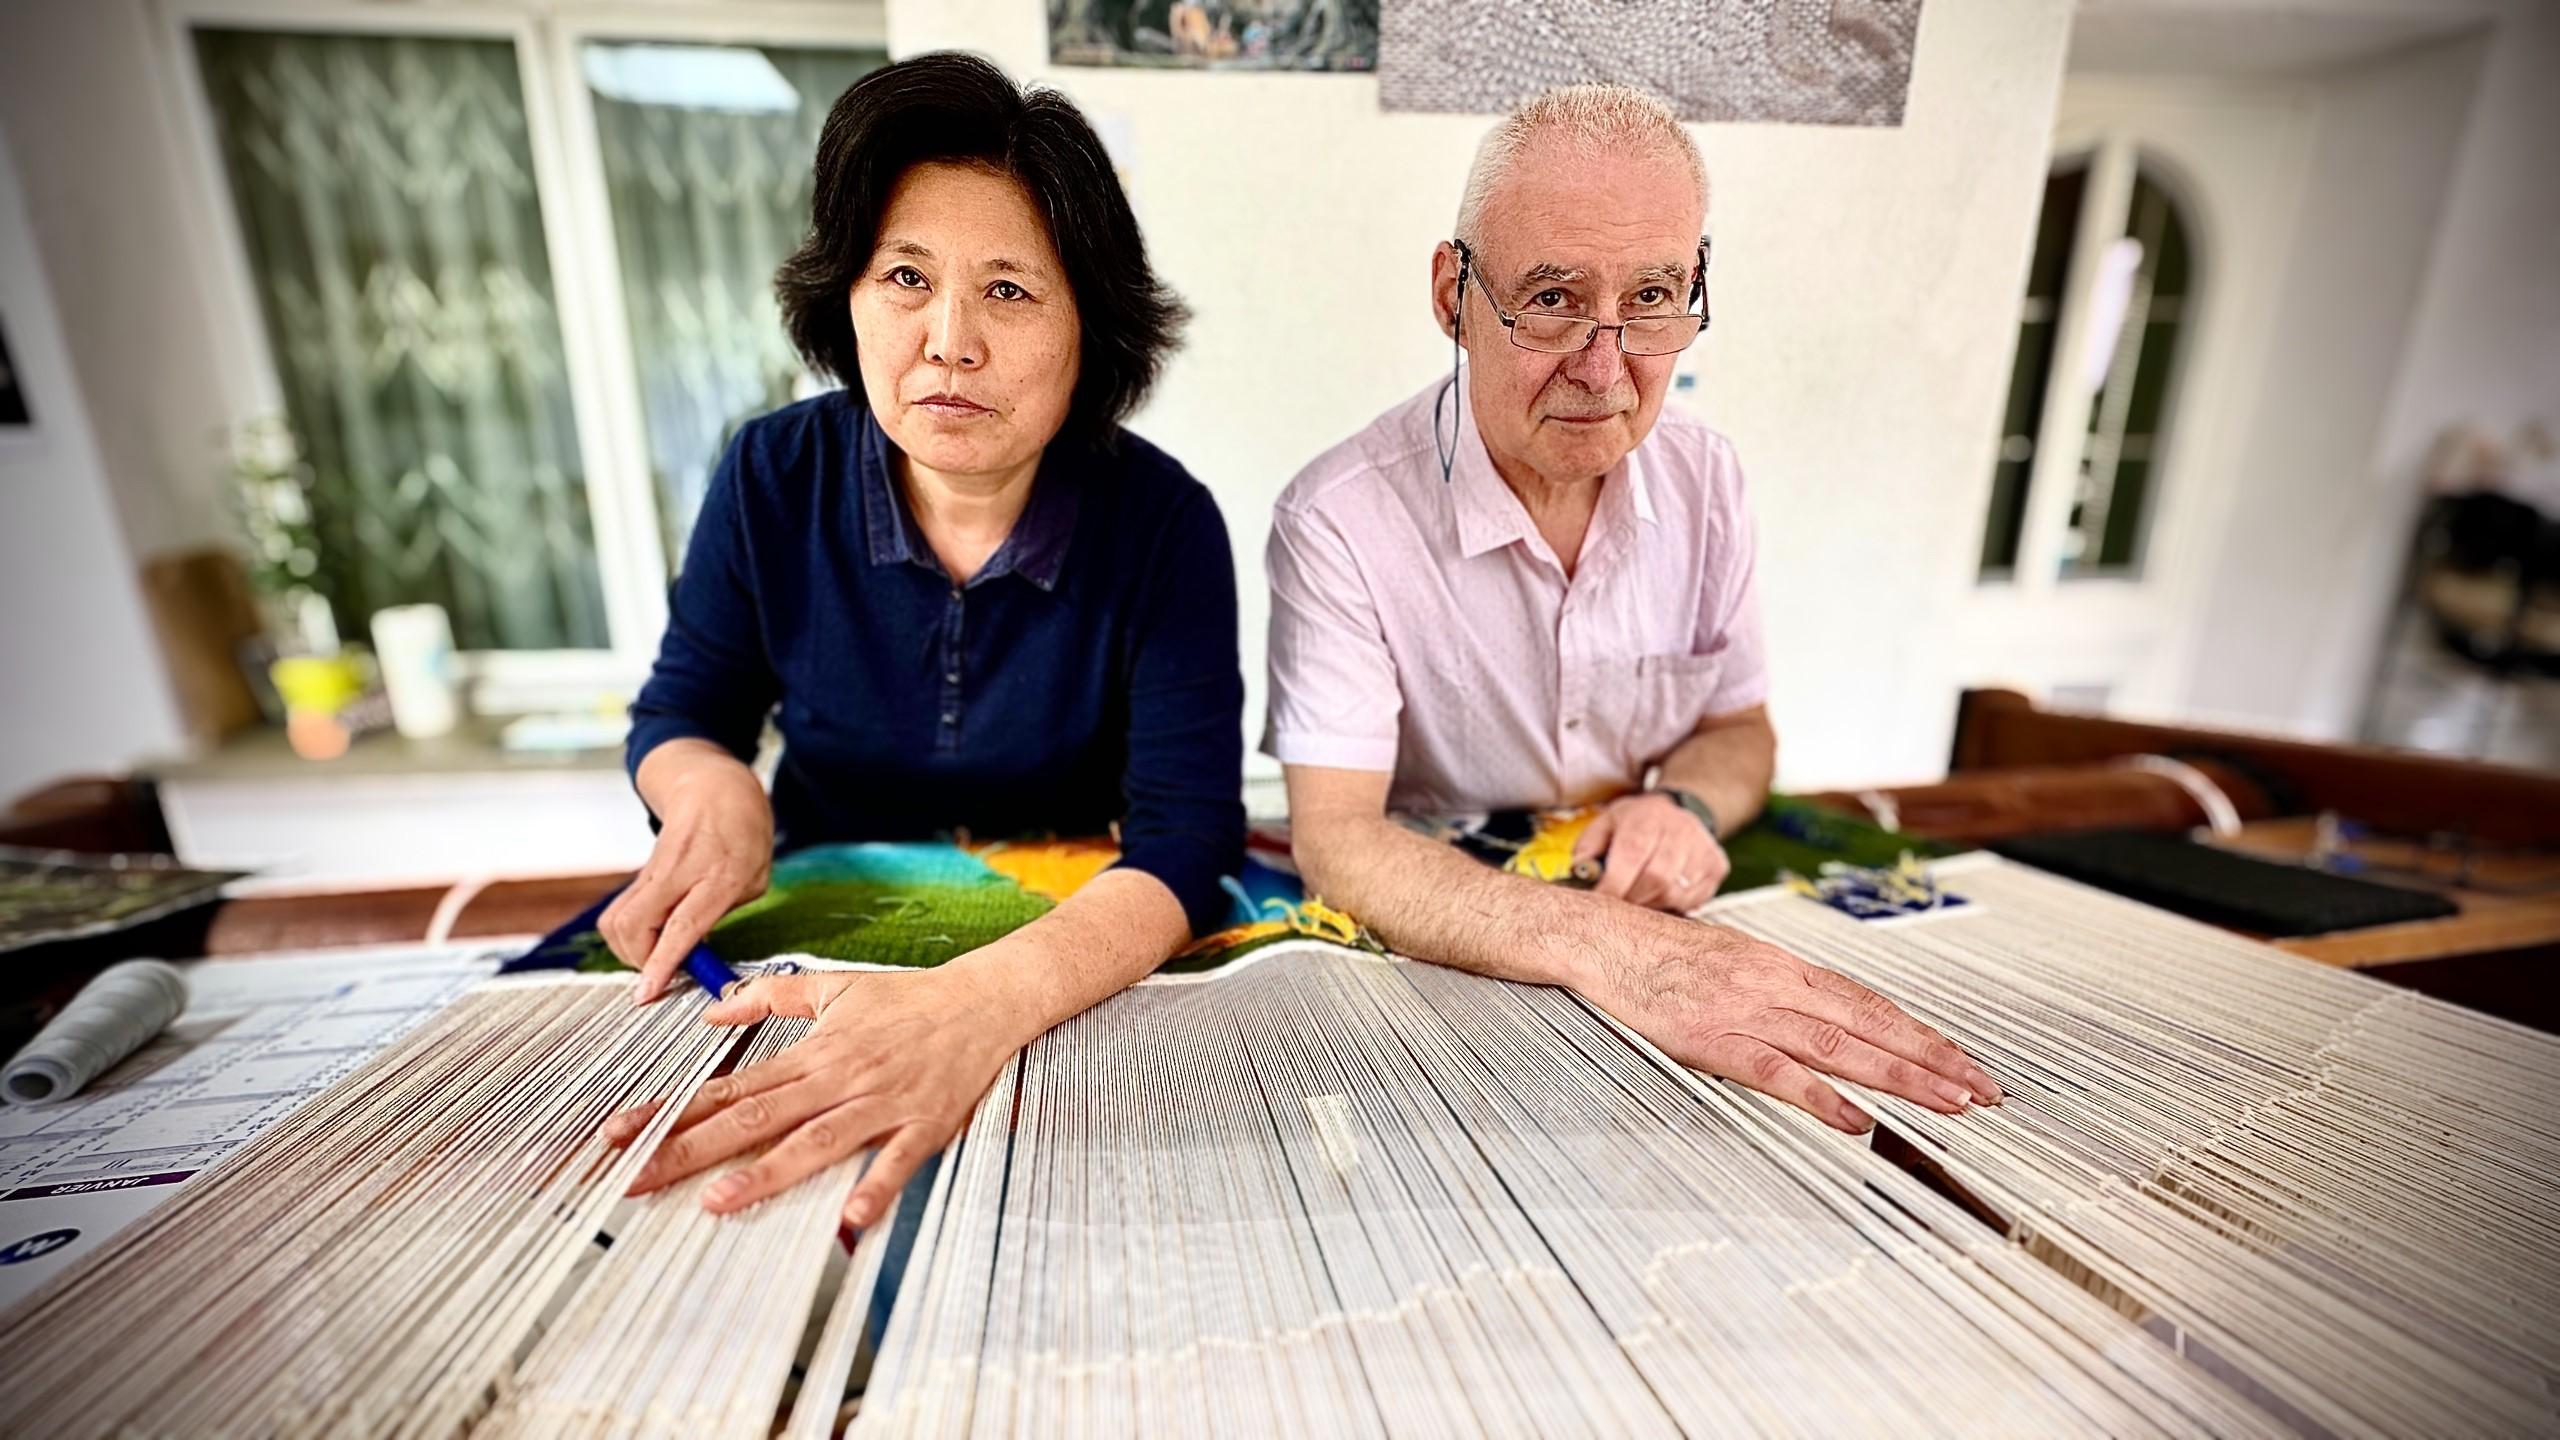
point(1086, 675)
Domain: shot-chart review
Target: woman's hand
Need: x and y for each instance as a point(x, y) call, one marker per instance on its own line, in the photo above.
point(714, 853)
point(897, 1058)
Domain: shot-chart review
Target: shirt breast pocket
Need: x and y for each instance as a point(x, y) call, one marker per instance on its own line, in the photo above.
point(1671, 696)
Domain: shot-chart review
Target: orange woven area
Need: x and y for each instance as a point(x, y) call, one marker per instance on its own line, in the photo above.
point(1050, 869)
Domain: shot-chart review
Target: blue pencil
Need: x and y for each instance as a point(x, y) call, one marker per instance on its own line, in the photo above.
point(710, 971)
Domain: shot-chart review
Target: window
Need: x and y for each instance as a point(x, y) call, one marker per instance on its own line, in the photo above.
point(385, 195)
point(2108, 507)
point(2084, 430)
point(2038, 320)
point(706, 164)
point(515, 284)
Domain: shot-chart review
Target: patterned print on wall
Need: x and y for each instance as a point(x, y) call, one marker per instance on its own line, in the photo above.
point(1794, 62)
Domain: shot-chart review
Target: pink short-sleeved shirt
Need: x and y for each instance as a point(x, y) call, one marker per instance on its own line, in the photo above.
point(1425, 628)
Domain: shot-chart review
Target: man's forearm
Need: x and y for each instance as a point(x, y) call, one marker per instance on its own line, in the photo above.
point(1727, 765)
point(1429, 901)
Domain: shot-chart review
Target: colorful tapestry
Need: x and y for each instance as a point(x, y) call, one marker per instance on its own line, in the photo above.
point(1789, 837)
point(922, 903)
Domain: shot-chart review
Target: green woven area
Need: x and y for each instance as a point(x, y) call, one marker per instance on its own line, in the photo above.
point(1794, 835)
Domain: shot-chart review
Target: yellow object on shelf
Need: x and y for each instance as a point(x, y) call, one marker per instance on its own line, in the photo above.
point(317, 691)
point(323, 683)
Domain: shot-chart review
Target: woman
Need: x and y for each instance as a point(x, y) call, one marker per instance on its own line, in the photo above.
point(978, 604)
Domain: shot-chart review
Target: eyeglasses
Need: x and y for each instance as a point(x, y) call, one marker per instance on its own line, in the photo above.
point(1563, 335)
point(1567, 334)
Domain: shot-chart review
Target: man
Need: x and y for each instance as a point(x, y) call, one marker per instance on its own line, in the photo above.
point(1530, 587)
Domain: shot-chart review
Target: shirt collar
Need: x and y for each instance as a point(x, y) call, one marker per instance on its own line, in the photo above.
point(1036, 547)
point(1490, 516)
point(1639, 492)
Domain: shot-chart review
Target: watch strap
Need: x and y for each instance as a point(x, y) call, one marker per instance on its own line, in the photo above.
point(1694, 805)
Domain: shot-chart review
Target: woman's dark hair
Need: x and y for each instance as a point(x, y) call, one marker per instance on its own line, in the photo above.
point(952, 107)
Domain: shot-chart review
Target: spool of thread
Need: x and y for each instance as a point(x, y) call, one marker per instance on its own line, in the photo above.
point(112, 1016)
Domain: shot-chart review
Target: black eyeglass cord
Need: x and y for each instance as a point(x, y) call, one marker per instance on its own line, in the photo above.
point(1457, 317)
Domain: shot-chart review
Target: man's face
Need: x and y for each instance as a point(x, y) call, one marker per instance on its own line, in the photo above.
point(1606, 237)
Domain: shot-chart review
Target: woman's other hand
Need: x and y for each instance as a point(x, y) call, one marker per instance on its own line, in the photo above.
point(898, 1059)
point(714, 853)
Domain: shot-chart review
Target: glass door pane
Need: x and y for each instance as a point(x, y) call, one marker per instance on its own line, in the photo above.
point(2039, 324)
point(707, 152)
point(2127, 425)
point(386, 196)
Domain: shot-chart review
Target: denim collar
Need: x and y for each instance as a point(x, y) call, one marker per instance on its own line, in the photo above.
point(1035, 549)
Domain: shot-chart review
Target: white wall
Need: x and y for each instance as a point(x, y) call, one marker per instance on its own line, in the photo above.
point(1866, 286)
point(81, 687)
point(2285, 631)
point(2232, 150)
point(2374, 187)
point(2483, 347)
point(81, 91)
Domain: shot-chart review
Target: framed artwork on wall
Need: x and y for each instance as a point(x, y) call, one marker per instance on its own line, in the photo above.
point(1786, 62)
point(1216, 34)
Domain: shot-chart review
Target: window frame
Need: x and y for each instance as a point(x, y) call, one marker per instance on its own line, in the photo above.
point(2114, 160)
point(548, 37)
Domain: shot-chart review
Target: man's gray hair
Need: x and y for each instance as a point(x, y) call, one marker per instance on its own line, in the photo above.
point(1589, 120)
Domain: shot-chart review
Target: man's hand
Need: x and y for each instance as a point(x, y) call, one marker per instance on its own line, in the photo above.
point(899, 1059)
point(1749, 1011)
point(1709, 997)
point(1658, 855)
point(714, 853)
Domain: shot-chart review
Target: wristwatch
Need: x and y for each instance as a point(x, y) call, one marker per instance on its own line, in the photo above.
point(1693, 805)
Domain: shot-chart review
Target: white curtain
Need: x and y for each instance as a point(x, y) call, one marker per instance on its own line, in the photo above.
point(707, 154)
point(385, 189)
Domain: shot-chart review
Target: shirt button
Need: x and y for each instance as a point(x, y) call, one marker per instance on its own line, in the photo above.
point(1573, 724)
point(953, 676)
point(950, 718)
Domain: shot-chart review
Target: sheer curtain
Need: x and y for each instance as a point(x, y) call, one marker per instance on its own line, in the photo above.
point(386, 194)
point(707, 153)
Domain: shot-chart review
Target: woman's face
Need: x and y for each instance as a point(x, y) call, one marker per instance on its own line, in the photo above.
point(967, 332)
